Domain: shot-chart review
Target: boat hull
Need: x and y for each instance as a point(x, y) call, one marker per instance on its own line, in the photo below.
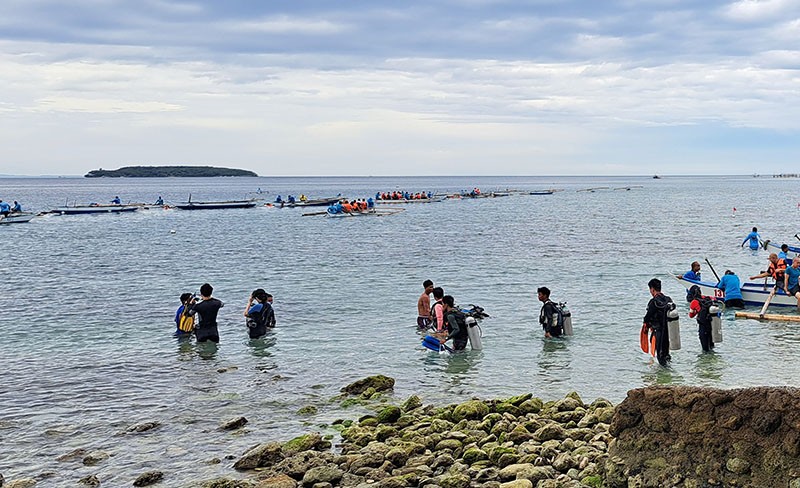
point(215, 205)
point(752, 293)
point(17, 218)
point(418, 200)
point(776, 248)
point(94, 209)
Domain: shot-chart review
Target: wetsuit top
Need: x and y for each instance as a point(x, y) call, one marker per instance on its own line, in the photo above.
point(456, 325)
point(753, 238)
point(255, 310)
point(206, 311)
point(4, 207)
point(732, 287)
point(691, 275)
point(793, 274)
point(16, 208)
point(546, 314)
point(657, 308)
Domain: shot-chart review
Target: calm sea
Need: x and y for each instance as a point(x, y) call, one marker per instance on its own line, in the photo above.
point(87, 305)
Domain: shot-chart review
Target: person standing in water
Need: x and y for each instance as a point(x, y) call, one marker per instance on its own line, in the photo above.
point(424, 306)
point(259, 314)
point(699, 309)
point(548, 315)
point(437, 312)
point(754, 239)
point(206, 309)
point(655, 320)
point(455, 325)
point(732, 288)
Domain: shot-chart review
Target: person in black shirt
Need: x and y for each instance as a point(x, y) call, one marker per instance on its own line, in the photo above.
point(455, 324)
point(548, 315)
point(206, 310)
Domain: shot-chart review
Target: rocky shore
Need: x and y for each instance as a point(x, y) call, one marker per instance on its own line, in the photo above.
point(660, 436)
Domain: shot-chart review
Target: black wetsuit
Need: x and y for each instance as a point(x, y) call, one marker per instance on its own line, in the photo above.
point(704, 323)
point(548, 318)
point(259, 321)
point(456, 325)
point(207, 310)
point(656, 319)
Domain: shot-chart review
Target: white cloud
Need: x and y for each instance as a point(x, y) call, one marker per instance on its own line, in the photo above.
point(760, 10)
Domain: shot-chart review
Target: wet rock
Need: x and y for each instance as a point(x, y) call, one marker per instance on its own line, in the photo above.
point(233, 424)
point(322, 474)
point(454, 481)
point(148, 478)
point(389, 415)
point(95, 457)
point(550, 431)
point(413, 402)
point(228, 483)
point(522, 483)
point(537, 473)
point(297, 465)
point(305, 443)
point(263, 455)
point(2, 480)
point(72, 455)
point(307, 410)
point(510, 472)
point(90, 480)
point(473, 409)
point(21, 483)
point(378, 383)
point(473, 455)
point(737, 466)
point(142, 427)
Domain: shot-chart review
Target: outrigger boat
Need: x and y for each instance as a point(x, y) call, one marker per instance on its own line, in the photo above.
point(542, 192)
point(373, 212)
point(776, 248)
point(17, 218)
point(413, 200)
point(216, 205)
point(752, 293)
point(93, 209)
point(319, 202)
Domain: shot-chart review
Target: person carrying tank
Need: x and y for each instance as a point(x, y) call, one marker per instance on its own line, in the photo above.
point(699, 309)
point(259, 314)
point(548, 315)
point(655, 322)
point(455, 325)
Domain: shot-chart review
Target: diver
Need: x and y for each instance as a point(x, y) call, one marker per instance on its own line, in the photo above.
point(455, 325)
point(259, 314)
point(548, 315)
point(655, 321)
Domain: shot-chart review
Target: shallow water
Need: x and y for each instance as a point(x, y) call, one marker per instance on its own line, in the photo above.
point(86, 313)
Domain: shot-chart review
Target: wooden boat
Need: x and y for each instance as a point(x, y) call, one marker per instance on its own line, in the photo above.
point(94, 209)
point(542, 192)
point(319, 202)
point(752, 293)
point(417, 200)
point(17, 218)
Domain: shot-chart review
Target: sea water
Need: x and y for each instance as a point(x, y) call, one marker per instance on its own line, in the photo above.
point(87, 306)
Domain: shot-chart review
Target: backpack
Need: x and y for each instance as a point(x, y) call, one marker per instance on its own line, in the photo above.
point(704, 315)
point(264, 318)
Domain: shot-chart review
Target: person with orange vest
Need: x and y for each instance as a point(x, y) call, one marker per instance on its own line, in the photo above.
point(346, 207)
point(775, 270)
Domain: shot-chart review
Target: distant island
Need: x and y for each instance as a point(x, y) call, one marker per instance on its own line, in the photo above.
point(166, 171)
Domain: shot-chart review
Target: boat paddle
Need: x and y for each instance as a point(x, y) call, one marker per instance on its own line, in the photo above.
point(712, 269)
point(798, 238)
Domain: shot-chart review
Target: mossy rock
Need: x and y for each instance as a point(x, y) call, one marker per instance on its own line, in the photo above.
point(389, 415)
point(384, 432)
point(377, 382)
point(594, 481)
point(519, 399)
point(574, 395)
point(301, 443)
point(455, 481)
point(507, 459)
point(349, 402)
point(307, 410)
point(368, 393)
point(473, 409)
point(452, 444)
point(474, 455)
point(507, 408)
point(533, 405)
point(411, 403)
point(405, 421)
point(496, 452)
point(368, 421)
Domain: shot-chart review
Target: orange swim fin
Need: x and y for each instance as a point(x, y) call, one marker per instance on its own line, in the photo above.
point(643, 341)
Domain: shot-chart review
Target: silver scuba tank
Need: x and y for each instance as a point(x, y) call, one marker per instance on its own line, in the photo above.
point(716, 324)
point(674, 329)
point(474, 333)
point(567, 315)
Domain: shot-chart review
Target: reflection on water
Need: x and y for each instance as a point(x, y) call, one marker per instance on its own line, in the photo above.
point(259, 348)
point(554, 361)
point(207, 350)
point(710, 366)
point(661, 375)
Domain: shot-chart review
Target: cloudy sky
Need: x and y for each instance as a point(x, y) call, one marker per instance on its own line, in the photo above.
point(435, 87)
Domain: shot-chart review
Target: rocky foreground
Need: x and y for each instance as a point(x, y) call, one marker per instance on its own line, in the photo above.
point(658, 437)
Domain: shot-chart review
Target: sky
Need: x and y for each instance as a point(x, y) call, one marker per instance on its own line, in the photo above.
point(435, 87)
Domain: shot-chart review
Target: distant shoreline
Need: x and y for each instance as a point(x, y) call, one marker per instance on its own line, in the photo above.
point(168, 172)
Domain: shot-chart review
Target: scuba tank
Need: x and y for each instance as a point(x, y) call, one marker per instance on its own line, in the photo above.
point(674, 329)
point(567, 318)
point(716, 323)
point(474, 333)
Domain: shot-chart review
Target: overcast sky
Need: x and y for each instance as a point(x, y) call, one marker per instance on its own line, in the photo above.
point(435, 87)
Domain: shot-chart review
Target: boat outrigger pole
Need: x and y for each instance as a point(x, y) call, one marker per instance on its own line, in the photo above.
point(712, 269)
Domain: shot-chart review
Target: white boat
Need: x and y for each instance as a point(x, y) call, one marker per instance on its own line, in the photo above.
point(753, 293)
point(375, 212)
point(413, 200)
point(17, 218)
point(94, 209)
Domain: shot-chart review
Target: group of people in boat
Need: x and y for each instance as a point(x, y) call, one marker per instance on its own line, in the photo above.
point(352, 206)
point(403, 195)
point(7, 208)
point(199, 317)
point(290, 199)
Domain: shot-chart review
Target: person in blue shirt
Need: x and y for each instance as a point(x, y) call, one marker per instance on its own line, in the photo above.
point(732, 287)
point(160, 201)
point(694, 273)
point(259, 314)
point(5, 208)
point(17, 207)
point(754, 238)
point(184, 324)
point(784, 254)
point(116, 201)
point(792, 286)
point(370, 203)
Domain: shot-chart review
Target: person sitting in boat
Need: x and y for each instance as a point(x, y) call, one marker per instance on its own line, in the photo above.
point(754, 239)
point(346, 207)
point(291, 199)
point(699, 309)
point(116, 201)
point(370, 203)
point(16, 207)
point(693, 274)
point(776, 270)
point(792, 282)
point(732, 287)
point(362, 204)
point(455, 325)
point(278, 199)
point(783, 254)
point(160, 201)
point(5, 208)
point(303, 198)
